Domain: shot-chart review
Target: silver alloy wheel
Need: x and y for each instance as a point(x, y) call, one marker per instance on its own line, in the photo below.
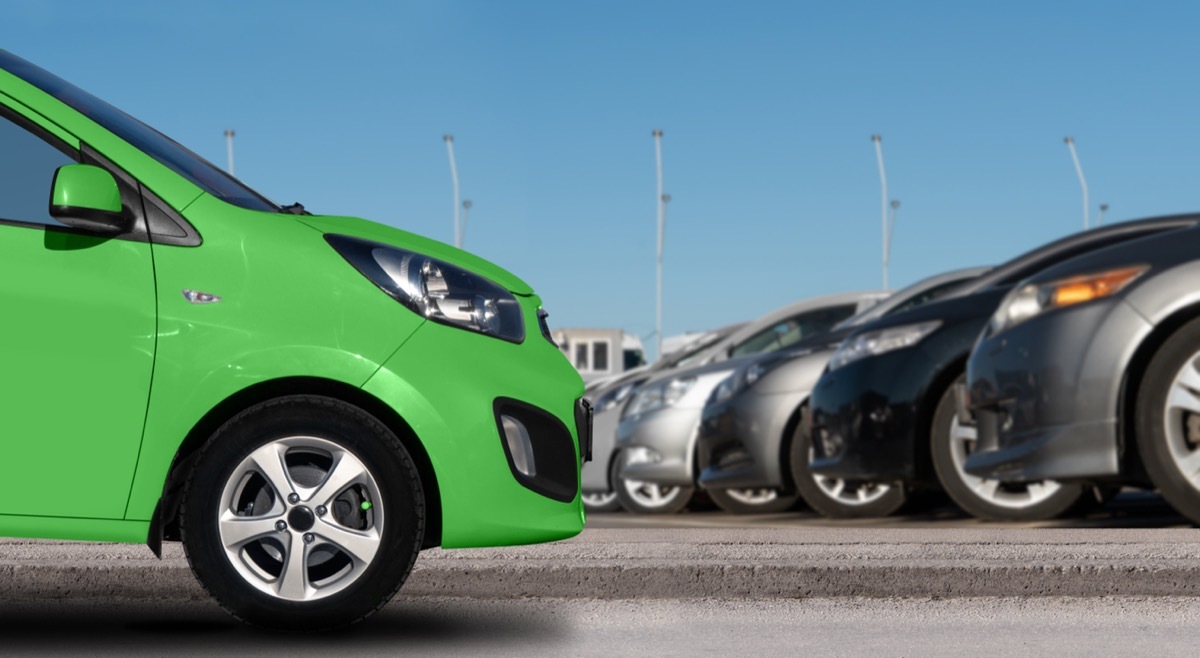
point(599, 499)
point(1011, 495)
point(651, 495)
point(849, 493)
point(300, 518)
point(753, 496)
point(1182, 421)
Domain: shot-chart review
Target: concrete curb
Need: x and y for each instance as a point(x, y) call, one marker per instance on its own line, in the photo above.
point(630, 564)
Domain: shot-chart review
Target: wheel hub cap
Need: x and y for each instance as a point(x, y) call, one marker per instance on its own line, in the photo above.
point(302, 519)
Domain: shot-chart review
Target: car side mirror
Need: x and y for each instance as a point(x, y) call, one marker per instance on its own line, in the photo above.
point(86, 197)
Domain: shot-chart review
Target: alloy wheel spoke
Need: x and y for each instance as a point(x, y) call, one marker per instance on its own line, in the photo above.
point(360, 545)
point(269, 462)
point(965, 433)
point(293, 580)
point(239, 530)
point(348, 470)
point(1189, 464)
point(1183, 397)
point(987, 488)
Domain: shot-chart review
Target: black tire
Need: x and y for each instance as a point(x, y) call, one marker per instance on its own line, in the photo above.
point(745, 501)
point(379, 513)
point(879, 502)
point(640, 497)
point(1156, 433)
point(992, 500)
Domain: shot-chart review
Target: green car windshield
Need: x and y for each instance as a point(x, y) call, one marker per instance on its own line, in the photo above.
point(167, 151)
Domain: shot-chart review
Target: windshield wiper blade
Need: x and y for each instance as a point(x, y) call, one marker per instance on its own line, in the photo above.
point(295, 209)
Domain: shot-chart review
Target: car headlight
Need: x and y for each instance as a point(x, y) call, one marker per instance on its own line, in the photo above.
point(435, 289)
point(741, 379)
point(1031, 300)
point(872, 343)
point(656, 396)
point(615, 396)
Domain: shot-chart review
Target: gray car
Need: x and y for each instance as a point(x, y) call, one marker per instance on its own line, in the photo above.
point(607, 402)
point(751, 417)
point(654, 470)
point(1090, 371)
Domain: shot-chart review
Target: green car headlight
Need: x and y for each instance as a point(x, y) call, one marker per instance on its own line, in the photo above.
point(435, 289)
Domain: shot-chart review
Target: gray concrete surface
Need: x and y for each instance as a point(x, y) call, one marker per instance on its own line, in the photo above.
point(437, 626)
point(773, 563)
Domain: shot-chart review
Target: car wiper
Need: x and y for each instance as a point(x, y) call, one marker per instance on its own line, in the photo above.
point(295, 209)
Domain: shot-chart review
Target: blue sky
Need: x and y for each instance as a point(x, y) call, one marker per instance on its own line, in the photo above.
point(767, 110)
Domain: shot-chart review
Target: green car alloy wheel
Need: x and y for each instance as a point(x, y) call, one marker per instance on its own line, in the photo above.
point(304, 401)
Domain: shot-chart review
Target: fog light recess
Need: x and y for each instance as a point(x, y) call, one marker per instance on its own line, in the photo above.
point(540, 450)
point(519, 446)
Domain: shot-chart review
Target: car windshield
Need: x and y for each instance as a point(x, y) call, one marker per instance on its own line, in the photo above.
point(165, 150)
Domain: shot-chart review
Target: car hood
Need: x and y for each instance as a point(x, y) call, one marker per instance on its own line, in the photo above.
point(368, 230)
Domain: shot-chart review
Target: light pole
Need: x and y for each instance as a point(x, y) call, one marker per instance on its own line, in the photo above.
point(891, 230)
point(1100, 217)
point(449, 139)
point(662, 219)
point(466, 204)
point(884, 205)
point(1082, 181)
point(229, 149)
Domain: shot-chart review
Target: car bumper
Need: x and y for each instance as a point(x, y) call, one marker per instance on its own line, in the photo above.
point(740, 441)
point(450, 386)
point(1045, 394)
point(864, 415)
point(659, 446)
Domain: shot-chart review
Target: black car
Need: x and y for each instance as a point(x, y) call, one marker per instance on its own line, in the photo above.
point(1091, 371)
point(884, 415)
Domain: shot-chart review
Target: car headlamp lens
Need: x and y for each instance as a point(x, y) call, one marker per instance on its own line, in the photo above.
point(435, 289)
point(657, 396)
point(741, 379)
point(873, 343)
point(1031, 300)
point(615, 397)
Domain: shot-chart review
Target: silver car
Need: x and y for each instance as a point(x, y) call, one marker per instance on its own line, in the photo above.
point(655, 466)
point(752, 415)
point(607, 402)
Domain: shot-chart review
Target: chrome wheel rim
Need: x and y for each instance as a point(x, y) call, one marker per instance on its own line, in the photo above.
point(1182, 421)
point(753, 496)
point(651, 495)
point(1010, 495)
point(853, 494)
point(599, 499)
point(300, 518)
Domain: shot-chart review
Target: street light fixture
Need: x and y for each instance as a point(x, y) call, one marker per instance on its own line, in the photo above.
point(662, 221)
point(884, 204)
point(891, 230)
point(466, 204)
point(449, 139)
point(1070, 141)
point(1100, 217)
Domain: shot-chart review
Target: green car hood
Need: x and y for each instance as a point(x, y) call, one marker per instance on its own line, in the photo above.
point(368, 230)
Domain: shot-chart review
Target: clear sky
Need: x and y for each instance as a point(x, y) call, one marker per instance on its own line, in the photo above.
point(767, 110)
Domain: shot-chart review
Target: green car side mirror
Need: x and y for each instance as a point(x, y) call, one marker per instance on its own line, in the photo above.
point(86, 197)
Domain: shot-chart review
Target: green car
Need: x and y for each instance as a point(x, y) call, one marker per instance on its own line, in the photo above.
point(304, 401)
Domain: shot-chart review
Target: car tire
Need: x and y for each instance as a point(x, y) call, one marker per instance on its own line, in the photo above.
point(302, 513)
point(836, 498)
point(641, 497)
point(765, 500)
point(1168, 420)
point(991, 500)
point(601, 502)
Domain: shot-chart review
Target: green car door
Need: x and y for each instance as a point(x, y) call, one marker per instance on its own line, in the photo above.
point(77, 339)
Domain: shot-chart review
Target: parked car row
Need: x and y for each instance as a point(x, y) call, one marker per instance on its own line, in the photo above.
point(1023, 392)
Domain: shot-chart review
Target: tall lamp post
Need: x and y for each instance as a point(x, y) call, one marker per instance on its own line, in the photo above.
point(887, 245)
point(229, 149)
point(884, 204)
point(1100, 217)
point(449, 139)
point(662, 220)
point(466, 204)
point(1070, 141)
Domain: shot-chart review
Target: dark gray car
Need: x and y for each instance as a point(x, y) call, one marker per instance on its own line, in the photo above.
point(1090, 371)
point(751, 416)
